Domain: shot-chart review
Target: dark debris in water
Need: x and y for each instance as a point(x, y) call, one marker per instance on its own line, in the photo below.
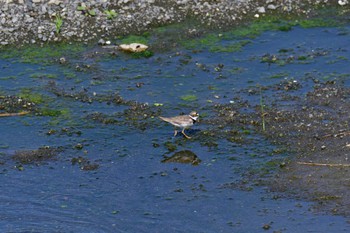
point(316, 130)
point(85, 96)
point(15, 104)
point(36, 156)
point(183, 156)
point(289, 56)
point(68, 131)
point(84, 163)
point(137, 115)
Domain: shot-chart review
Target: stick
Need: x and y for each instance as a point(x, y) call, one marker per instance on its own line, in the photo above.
point(6, 114)
point(345, 133)
point(325, 164)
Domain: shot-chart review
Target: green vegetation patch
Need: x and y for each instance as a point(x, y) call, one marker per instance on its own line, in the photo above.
point(35, 54)
point(142, 39)
point(255, 28)
point(43, 75)
point(142, 54)
point(318, 22)
point(49, 112)
point(31, 96)
point(231, 47)
point(279, 75)
point(237, 37)
point(189, 98)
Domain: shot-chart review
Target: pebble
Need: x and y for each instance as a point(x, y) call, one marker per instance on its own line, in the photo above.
point(271, 7)
point(261, 10)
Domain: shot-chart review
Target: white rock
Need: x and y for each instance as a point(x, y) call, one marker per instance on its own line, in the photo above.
point(271, 7)
point(343, 2)
point(133, 47)
point(261, 10)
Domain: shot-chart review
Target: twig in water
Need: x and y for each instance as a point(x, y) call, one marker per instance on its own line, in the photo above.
point(262, 110)
point(6, 114)
point(325, 164)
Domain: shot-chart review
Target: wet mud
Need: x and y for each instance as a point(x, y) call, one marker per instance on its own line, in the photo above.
point(316, 131)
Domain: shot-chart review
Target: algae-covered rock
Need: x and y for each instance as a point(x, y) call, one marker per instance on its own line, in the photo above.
point(184, 156)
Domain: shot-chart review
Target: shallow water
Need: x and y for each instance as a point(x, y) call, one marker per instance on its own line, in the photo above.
point(132, 191)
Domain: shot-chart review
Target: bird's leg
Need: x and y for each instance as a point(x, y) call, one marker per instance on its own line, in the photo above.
point(183, 132)
point(175, 133)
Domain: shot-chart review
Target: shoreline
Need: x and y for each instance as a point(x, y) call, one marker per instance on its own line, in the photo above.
point(42, 21)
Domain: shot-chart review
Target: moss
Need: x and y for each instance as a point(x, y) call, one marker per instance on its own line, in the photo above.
point(35, 54)
point(318, 22)
point(202, 43)
point(142, 39)
point(279, 75)
point(53, 112)
point(145, 54)
point(69, 75)
point(31, 96)
point(252, 30)
point(8, 77)
point(170, 146)
point(261, 25)
point(49, 112)
point(189, 98)
point(43, 75)
point(232, 47)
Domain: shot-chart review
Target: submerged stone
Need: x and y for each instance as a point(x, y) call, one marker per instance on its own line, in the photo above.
point(39, 155)
point(184, 156)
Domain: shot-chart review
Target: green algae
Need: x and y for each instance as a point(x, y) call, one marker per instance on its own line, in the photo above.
point(170, 146)
point(43, 75)
point(189, 98)
point(52, 112)
point(279, 75)
point(145, 54)
point(36, 54)
point(142, 39)
point(318, 22)
point(231, 47)
point(236, 38)
point(255, 28)
point(29, 95)
point(8, 77)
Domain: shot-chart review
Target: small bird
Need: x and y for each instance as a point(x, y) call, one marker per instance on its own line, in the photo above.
point(183, 121)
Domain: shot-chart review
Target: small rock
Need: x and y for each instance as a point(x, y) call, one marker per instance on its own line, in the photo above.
point(261, 10)
point(101, 42)
point(266, 226)
point(271, 7)
point(63, 60)
point(343, 2)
